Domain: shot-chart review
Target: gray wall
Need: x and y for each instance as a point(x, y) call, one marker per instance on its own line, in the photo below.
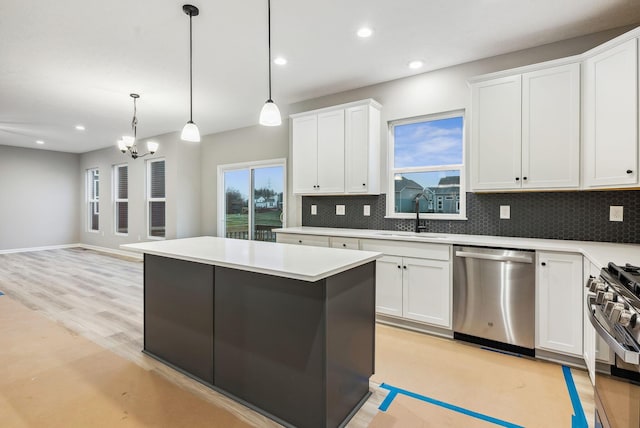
point(242, 145)
point(182, 184)
point(39, 193)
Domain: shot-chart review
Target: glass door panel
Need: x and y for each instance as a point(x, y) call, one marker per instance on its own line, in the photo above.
point(237, 184)
point(267, 202)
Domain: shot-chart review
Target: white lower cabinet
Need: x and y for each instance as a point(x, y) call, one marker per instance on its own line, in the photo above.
point(312, 240)
point(559, 303)
point(413, 288)
point(426, 293)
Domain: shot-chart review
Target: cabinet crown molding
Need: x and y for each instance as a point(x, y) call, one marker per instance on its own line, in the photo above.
point(368, 101)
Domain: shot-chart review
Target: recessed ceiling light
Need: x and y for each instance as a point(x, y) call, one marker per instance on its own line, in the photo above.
point(415, 64)
point(280, 61)
point(80, 127)
point(39, 142)
point(365, 32)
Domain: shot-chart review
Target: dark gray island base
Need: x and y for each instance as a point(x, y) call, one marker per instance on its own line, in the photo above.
point(299, 352)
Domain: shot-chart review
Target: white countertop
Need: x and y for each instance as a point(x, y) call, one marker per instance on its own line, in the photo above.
point(599, 253)
point(285, 260)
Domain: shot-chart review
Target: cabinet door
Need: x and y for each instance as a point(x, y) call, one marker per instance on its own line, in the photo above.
point(331, 152)
point(362, 149)
point(611, 117)
point(348, 243)
point(559, 302)
point(495, 134)
point(305, 154)
point(426, 293)
point(389, 285)
point(311, 240)
point(551, 128)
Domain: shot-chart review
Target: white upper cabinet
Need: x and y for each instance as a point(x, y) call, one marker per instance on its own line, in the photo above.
point(525, 131)
point(305, 168)
point(495, 134)
point(330, 153)
point(336, 150)
point(611, 117)
point(362, 149)
point(551, 128)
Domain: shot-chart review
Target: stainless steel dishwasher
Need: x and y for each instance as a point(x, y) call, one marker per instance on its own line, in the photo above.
point(494, 297)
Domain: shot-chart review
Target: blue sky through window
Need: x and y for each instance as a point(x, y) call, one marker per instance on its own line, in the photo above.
point(428, 143)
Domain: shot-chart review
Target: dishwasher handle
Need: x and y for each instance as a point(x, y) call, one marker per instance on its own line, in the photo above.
point(495, 257)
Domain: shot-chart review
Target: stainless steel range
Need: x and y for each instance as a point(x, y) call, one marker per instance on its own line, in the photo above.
point(613, 304)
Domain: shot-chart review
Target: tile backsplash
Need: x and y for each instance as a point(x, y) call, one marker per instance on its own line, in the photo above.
point(582, 216)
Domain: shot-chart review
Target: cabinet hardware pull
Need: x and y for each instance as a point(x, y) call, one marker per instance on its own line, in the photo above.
point(344, 245)
point(300, 241)
point(364, 184)
point(398, 266)
point(517, 178)
point(629, 171)
point(404, 267)
point(524, 178)
point(543, 264)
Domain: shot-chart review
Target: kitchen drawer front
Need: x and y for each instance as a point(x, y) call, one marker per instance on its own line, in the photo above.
point(348, 243)
point(421, 250)
point(313, 240)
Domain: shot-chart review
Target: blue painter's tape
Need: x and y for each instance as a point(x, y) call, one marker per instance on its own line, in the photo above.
point(578, 420)
point(393, 391)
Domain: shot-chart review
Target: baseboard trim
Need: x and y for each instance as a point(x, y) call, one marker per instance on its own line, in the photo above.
point(44, 248)
point(123, 253)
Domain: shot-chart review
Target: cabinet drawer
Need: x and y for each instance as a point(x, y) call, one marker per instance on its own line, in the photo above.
point(349, 243)
point(422, 250)
point(313, 240)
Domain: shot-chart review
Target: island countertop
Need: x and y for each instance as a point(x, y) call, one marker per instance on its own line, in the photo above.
point(285, 260)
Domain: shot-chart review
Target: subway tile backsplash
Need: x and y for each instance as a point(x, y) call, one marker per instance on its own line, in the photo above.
point(582, 216)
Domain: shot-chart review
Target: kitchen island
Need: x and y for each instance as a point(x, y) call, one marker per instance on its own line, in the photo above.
point(284, 329)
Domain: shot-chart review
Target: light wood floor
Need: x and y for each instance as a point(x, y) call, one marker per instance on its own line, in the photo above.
point(99, 296)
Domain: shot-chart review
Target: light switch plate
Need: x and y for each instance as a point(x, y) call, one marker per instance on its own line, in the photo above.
point(616, 213)
point(367, 210)
point(339, 209)
point(505, 212)
point(314, 210)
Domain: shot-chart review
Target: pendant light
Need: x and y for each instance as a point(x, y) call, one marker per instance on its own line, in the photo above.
point(270, 114)
point(190, 132)
point(128, 142)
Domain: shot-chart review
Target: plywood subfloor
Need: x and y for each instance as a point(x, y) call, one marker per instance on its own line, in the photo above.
point(98, 297)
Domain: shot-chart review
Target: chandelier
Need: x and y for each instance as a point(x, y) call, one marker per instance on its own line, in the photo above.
point(128, 142)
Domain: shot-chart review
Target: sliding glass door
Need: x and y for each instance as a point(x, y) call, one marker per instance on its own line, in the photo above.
point(252, 201)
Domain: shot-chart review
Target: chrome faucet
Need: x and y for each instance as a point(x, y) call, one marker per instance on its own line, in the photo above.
point(420, 227)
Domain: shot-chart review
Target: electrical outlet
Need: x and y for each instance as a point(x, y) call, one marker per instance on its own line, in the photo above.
point(616, 213)
point(339, 209)
point(505, 212)
point(367, 210)
point(314, 210)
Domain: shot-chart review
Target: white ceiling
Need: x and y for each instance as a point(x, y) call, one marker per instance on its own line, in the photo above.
point(72, 62)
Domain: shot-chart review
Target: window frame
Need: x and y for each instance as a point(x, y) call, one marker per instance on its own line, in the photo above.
point(117, 199)
point(250, 165)
point(392, 171)
point(92, 189)
point(149, 199)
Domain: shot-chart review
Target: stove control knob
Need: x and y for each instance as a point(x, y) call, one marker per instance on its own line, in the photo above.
point(625, 318)
point(616, 312)
point(602, 297)
point(597, 285)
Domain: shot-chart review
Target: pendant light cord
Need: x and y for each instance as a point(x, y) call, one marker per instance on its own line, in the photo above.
point(269, 42)
point(190, 70)
point(134, 122)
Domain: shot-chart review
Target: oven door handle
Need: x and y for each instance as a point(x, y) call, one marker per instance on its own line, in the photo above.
point(627, 356)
